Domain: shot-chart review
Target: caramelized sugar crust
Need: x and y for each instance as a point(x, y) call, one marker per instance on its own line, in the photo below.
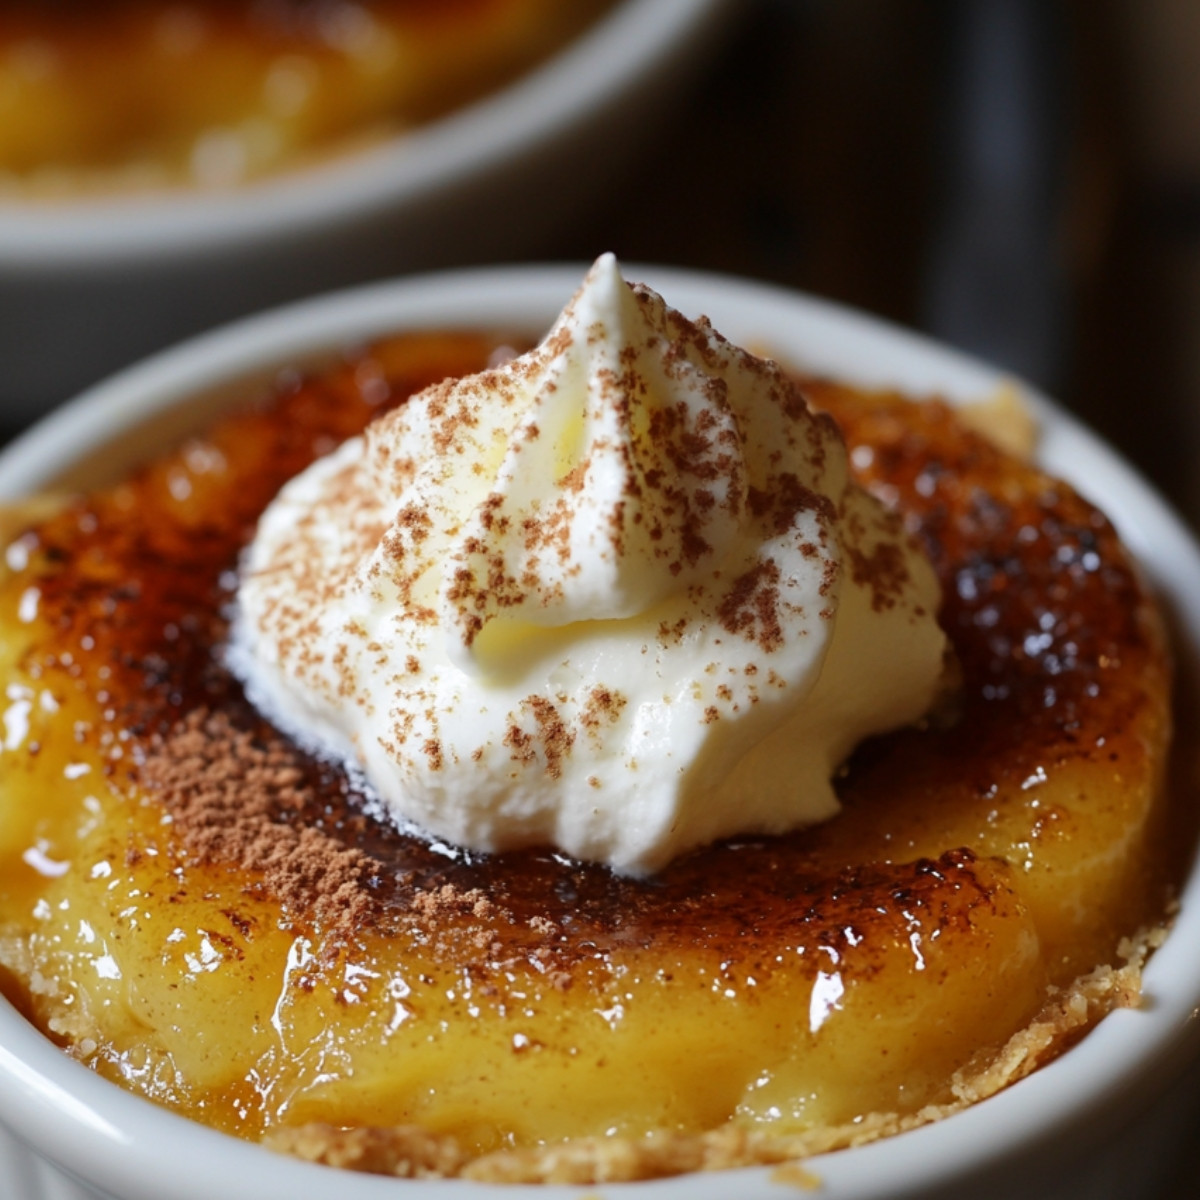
point(206, 914)
point(214, 92)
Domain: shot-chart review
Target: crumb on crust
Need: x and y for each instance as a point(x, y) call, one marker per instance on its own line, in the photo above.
point(1005, 419)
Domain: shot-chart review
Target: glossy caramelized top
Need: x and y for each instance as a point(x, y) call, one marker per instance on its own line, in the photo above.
point(1045, 611)
point(1010, 844)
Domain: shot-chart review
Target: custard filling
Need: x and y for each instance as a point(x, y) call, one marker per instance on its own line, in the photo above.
point(216, 920)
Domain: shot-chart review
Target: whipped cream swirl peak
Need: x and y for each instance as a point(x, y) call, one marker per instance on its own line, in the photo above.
point(618, 595)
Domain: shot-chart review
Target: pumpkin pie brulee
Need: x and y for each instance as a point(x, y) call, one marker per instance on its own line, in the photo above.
point(612, 760)
point(132, 95)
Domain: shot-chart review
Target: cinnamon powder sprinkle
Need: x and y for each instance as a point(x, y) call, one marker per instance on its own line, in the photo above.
point(882, 566)
point(751, 608)
point(228, 790)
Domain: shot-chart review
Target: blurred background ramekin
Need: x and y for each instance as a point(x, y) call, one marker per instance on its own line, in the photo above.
point(90, 284)
point(1020, 178)
point(1110, 1118)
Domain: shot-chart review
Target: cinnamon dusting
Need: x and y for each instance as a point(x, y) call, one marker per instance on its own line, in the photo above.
point(228, 792)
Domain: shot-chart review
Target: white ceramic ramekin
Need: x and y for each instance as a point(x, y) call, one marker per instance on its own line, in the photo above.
point(91, 286)
point(1107, 1119)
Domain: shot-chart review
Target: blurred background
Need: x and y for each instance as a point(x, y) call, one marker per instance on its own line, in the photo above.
point(1017, 177)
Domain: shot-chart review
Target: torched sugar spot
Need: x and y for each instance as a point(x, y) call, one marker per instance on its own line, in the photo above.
point(444, 601)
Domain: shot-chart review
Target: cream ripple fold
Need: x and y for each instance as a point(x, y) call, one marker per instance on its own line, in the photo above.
point(618, 595)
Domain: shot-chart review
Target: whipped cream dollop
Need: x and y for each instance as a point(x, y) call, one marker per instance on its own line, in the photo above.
point(618, 595)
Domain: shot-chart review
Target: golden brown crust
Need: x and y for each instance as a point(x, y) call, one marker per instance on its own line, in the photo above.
point(404, 1151)
point(1005, 419)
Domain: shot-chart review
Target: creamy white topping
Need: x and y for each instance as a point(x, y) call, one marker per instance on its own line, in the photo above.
point(618, 595)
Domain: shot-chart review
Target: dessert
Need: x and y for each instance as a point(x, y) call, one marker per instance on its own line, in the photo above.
point(618, 596)
point(143, 94)
point(209, 915)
